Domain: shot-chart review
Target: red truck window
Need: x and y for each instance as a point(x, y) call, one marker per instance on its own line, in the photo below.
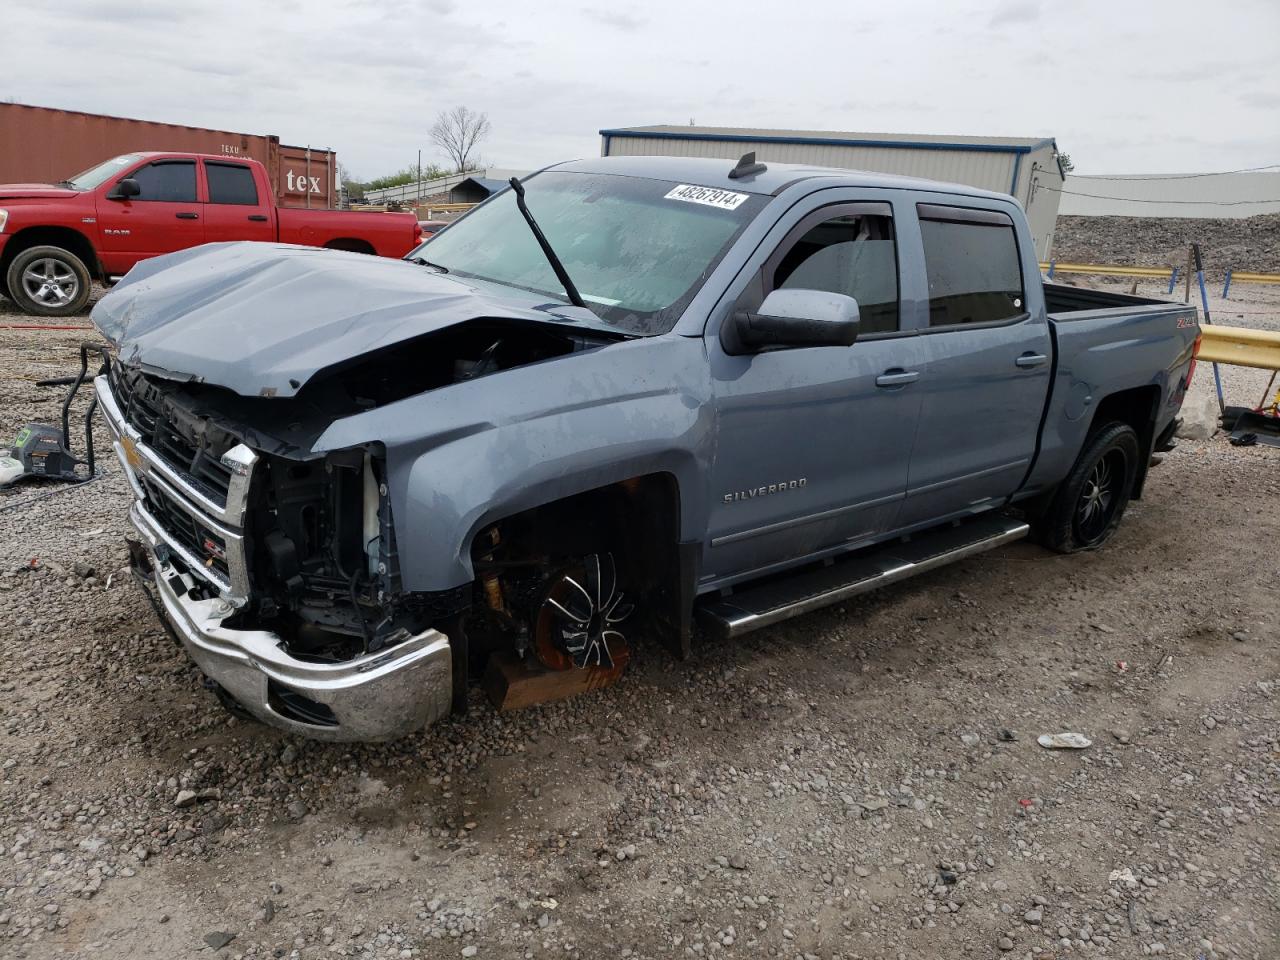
point(168, 181)
point(231, 183)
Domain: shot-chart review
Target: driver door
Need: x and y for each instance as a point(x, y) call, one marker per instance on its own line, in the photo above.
point(814, 443)
point(165, 216)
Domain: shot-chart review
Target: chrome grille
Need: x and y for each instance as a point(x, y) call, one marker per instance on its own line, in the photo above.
point(189, 532)
point(144, 410)
point(206, 531)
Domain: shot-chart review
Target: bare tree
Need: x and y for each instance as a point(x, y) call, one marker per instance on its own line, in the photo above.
point(458, 132)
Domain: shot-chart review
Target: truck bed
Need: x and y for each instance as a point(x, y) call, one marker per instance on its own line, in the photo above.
point(1061, 299)
point(1099, 338)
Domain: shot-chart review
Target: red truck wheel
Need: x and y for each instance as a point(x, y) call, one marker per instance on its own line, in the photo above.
point(48, 282)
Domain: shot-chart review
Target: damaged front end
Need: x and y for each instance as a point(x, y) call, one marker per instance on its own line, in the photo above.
point(278, 570)
point(273, 550)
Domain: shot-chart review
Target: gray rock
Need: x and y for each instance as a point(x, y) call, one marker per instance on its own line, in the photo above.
point(1033, 917)
point(738, 862)
point(185, 798)
point(296, 809)
point(218, 939)
point(1199, 417)
point(1004, 943)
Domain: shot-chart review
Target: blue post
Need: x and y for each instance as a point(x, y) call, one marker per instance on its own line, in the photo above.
point(1226, 287)
point(1052, 264)
point(1204, 301)
point(1173, 278)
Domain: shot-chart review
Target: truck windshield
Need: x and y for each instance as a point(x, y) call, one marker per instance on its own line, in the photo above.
point(95, 176)
point(636, 249)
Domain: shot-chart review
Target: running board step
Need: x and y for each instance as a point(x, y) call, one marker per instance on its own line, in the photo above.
point(781, 598)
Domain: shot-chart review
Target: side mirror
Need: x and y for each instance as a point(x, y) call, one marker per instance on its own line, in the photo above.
point(126, 188)
point(797, 318)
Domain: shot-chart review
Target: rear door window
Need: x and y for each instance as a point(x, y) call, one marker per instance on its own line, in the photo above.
point(849, 252)
point(169, 181)
point(231, 183)
point(971, 257)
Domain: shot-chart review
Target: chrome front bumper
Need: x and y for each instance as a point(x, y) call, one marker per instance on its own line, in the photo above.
point(377, 696)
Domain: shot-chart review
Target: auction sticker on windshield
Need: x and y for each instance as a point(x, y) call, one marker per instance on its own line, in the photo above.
point(724, 199)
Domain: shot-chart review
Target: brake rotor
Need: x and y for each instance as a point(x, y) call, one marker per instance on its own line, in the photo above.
point(577, 622)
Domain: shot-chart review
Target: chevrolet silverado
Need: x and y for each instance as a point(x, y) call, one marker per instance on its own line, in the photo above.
point(622, 396)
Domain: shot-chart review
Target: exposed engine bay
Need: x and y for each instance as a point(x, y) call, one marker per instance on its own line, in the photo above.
point(319, 537)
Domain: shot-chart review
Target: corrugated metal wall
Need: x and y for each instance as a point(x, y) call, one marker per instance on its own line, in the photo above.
point(990, 171)
point(1039, 183)
point(985, 169)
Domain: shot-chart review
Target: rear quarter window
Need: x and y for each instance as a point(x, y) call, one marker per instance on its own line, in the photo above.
point(231, 183)
point(971, 258)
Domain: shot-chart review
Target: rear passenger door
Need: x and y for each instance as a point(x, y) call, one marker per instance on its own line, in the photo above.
point(989, 361)
point(235, 210)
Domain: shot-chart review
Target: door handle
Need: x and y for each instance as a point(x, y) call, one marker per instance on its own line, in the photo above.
point(258, 217)
point(187, 216)
point(1028, 360)
point(897, 377)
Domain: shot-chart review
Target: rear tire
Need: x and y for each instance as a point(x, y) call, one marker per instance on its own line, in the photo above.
point(1087, 506)
point(48, 282)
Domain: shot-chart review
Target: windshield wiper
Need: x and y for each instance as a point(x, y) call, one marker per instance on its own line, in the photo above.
point(561, 274)
point(424, 262)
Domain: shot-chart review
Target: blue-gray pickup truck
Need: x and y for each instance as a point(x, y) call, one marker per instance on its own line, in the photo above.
point(621, 397)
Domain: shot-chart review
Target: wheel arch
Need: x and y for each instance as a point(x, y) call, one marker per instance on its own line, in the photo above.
point(350, 244)
point(640, 517)
point(1137, 407)
point(65, 237)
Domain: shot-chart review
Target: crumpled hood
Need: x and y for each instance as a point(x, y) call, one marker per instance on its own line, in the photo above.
point(262, 319)
point(19, 191)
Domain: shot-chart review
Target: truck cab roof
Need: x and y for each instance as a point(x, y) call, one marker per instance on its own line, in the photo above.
point(714, 172)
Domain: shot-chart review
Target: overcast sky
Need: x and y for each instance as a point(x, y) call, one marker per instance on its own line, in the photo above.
point(1126, 86)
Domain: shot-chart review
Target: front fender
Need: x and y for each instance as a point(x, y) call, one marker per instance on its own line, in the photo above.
point(463, 456)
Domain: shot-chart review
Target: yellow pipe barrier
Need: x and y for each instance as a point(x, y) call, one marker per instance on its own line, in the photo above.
point(1239, 346)
point(1107, 270)
point(1242, 276)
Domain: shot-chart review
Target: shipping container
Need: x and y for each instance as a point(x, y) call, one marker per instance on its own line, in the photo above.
point(45, 145)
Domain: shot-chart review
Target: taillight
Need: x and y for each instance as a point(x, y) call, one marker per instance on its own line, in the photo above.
point(1195, 352)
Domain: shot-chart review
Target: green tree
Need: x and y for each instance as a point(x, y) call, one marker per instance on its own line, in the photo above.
point(1065, 160)
point(405, 175)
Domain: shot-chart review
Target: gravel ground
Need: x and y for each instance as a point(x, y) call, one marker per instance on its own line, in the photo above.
point(861, 783)
point(1248, 243)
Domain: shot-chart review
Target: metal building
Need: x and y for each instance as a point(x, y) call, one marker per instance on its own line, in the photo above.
point(1025, 167)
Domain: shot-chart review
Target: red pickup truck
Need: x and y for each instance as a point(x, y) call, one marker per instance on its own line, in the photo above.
point(56, 239)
